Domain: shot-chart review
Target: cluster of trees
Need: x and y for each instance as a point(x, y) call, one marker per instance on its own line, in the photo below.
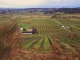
point(2, 12)
point(69, 10)
point(45, 10)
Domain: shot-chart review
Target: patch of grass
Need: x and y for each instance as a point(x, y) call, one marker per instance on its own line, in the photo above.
point(25, 26)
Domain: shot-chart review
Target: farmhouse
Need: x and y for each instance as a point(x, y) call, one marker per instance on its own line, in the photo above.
point(28, 31)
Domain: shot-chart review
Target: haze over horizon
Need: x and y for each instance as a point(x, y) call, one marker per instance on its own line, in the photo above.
point(39, 3)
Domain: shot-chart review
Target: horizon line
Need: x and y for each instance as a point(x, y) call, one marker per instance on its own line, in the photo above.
point(34, 7)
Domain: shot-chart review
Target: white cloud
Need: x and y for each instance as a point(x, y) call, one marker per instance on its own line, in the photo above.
point(10, 3)
point(56, 0)
point(38, 3)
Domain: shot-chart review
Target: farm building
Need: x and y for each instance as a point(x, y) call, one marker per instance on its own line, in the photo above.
point(29, 31)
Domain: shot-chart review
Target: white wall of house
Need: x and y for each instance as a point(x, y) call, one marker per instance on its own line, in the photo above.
point(26, 33)
point(29, 30)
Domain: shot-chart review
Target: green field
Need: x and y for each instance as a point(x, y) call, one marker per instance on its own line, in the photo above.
point(51, 37)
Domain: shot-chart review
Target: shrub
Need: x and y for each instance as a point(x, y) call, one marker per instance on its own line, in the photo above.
point(9, 40)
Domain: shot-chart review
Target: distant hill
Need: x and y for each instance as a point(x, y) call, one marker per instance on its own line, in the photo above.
point(44, 10)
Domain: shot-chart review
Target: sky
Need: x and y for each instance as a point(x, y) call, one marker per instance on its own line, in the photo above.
point(39, 3)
